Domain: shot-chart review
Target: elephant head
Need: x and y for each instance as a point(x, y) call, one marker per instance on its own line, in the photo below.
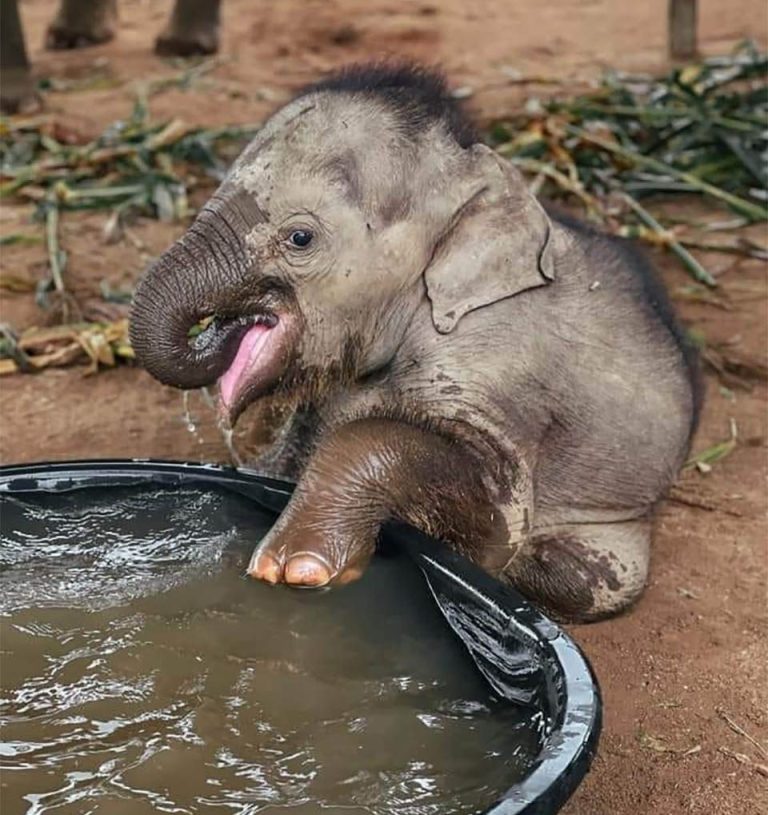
point(361, 198)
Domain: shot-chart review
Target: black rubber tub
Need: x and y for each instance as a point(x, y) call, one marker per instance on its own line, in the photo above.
point(525, 657)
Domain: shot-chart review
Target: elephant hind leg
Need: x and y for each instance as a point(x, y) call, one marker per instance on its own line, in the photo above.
point(584, 572)
point(80, 23)
point(17, 89)
point(192, 30)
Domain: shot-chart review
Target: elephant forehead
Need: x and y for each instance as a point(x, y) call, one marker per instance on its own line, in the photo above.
point(331, 138)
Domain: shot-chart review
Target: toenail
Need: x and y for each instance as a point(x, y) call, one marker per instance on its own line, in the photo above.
point(264, 567)
point(349, 575)
point(307, 569)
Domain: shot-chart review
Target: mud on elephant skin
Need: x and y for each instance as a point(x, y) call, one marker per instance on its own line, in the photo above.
point(440, 340)
point(193, 29)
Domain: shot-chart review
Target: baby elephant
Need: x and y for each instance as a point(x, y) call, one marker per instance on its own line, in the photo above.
point(456, 357)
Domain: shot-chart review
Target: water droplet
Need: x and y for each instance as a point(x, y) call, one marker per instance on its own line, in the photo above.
point(191, 426)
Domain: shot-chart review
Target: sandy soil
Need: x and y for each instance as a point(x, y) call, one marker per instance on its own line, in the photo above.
point(685, 670)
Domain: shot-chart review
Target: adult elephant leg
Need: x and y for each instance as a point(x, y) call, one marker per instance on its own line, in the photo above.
point(363, 474)
point(193, 29)
point(80, 23)
point(586, 571)
point(17, 90)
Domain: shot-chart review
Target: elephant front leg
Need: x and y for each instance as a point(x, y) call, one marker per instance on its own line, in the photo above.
point(363, 474)
point(80, 23)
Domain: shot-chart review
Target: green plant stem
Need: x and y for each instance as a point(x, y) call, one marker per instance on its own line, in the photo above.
point(742, 251)
point(54, 251)
point(698, 272)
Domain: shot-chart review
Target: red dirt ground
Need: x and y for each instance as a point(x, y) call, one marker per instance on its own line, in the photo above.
point(683, 671)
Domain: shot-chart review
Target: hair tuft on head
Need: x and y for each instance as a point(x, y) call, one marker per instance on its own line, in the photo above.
point(418, 96)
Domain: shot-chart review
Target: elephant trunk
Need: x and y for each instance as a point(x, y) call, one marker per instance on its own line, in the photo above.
point(162, 324)
point(190, 310)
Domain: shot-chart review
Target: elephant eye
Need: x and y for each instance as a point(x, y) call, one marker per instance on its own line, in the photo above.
point(301, 238)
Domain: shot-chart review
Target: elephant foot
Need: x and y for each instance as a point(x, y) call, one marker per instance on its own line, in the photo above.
point(58, 38)
point(585, 572)
point(192, 31)
point(82, 23)
point(306, 560)
point(362, 474)
point(187, 44)
point(17, 93)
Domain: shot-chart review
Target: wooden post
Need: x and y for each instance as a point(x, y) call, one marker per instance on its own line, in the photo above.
point(682, 28)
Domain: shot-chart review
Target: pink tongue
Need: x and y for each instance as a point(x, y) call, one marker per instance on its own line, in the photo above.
point(250, 346)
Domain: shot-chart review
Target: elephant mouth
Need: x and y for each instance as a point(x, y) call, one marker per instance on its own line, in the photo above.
point(258, 363)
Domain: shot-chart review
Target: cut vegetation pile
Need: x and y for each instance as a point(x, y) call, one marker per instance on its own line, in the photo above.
point(135, 164)
point(702, 130)
point(135, 168)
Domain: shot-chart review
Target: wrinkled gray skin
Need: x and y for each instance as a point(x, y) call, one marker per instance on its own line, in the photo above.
point(192, 29)
point(456, 357)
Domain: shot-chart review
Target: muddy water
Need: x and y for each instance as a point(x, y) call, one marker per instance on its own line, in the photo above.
point(142, 673)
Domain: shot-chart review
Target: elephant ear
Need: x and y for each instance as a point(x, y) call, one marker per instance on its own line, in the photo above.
point(496, 246)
